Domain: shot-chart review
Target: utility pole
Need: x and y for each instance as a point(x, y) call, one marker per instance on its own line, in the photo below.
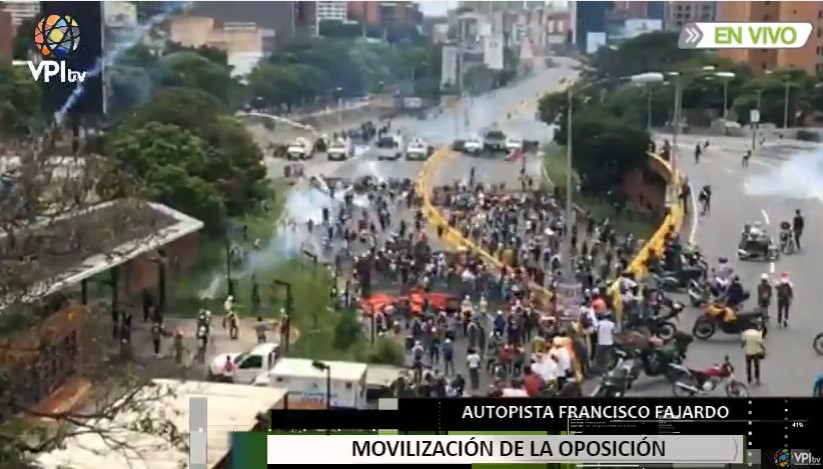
point(756, 125)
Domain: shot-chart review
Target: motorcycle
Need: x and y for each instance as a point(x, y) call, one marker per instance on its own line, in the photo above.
point(787, 244)
point(702, 293)
point(714, 318)
point(659, 325)
point(654, 359)
point(619, 379)
point(817, 344)
point(701, 382)
point(754, 250)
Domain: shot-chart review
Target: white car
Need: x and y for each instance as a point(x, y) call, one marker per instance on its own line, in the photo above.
point(340, 150)
point(514, 144)
point(417, 150)
point(390, 147)
point(473, 146)
point(301, 149)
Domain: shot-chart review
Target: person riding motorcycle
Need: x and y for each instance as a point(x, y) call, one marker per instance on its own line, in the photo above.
point(764, 293)
point(732, 299)
point(722, 274)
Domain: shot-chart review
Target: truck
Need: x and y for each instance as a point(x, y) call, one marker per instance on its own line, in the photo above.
point(311, 382)
point(246, 366)
point(340, 150)
point(390, 147)
point(300, 149)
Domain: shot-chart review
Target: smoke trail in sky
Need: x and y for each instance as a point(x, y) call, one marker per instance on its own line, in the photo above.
point(110, 57)
point(799, 177)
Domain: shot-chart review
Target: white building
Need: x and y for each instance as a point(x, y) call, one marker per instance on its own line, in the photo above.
point(332, 11)
point(21, 11)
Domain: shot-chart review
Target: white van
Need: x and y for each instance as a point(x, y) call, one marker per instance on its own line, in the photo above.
point(307, 381)
point(300, 149)
point(390, 147)
point(246, 366)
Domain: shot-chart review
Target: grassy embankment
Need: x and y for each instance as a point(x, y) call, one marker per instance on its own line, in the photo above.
point(631, 220)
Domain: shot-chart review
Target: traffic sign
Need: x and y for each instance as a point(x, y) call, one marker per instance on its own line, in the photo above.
point(754, 116)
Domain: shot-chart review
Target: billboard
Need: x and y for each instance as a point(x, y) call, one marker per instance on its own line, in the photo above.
point(448, 73)
point(595, 41)
point(493, 52)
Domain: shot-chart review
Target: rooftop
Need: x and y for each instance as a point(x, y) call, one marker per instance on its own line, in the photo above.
point(59, 251)
point(302, 368)
point(231, 407)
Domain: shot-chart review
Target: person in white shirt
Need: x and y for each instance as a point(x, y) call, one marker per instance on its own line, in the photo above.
point(473, 361)
point(605, 340)
point(564, 361)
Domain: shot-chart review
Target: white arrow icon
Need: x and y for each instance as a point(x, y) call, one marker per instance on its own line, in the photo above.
point(692, 35)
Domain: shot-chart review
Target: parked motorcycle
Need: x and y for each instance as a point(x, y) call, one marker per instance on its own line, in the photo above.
point(702, 382)
point(619, 379)
point(817, 344)
point(654, 358)
point(787, 244)
point(702, 293)
point(660, 325)
point(714, 318)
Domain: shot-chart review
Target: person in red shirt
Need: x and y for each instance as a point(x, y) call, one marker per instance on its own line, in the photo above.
point(532, 383)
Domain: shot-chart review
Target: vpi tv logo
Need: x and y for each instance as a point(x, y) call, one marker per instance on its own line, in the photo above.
point(56, 37)
point(804, 457)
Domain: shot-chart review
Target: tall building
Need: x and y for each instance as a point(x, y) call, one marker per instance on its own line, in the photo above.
point(809, 57)
point(286, 20)
point(653, 10)
point(679, 13)
point(588, 17)
point(21, 11)
point(385, 13)
point(6, 34)
point(336, 11)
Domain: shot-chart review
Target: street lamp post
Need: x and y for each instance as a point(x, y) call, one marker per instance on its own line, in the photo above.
point(787, 85)
point(725, 77)
point(323, 367)
point(288, 310)
point(756, 125)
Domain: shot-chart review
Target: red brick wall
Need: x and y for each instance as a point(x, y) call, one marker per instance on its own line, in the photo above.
point(6, 34)
point(646, 188)
point(142, 272)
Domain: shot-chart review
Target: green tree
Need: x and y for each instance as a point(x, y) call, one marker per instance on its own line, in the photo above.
point(212, 54)
point(171, 163)
point(21, 46)
point(193, 70)
point(278, 85)
point(652, 52)
point(20, 101)
point(606, 149)
point(234, 164)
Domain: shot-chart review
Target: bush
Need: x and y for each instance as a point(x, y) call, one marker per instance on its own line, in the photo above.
point(347, 331)
point(387, 351)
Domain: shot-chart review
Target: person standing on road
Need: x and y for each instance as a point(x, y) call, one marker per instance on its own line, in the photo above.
point(785, 295)
point(764, 294)
point(755, 351)
point(744, 163)
point(605, 340)
point(798, 223)
point(698, 150)
point(473, 364)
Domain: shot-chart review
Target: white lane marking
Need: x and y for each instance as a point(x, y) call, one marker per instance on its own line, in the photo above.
point(729, 171)
point(771, 267)
point(765, 217)
point(696, 218)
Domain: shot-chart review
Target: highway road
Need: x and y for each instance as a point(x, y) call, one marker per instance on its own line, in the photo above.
point(782, 176)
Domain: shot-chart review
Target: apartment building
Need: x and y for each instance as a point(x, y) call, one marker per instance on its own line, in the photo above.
point(385, 13)
point(332, 11)
point(640, 10)
point(809, 57)
point(677, 14)
point(21, 11)
point(282, 20)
